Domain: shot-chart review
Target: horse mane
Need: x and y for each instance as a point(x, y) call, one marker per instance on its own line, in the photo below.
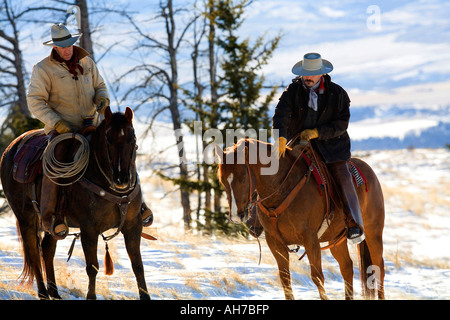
point(237, 149)
point(245, 142)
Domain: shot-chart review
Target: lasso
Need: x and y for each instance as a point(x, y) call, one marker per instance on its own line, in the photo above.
point(56, 170)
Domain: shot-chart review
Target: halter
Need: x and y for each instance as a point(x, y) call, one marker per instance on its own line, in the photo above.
point(271, 213)
point(274, 213)
point(108, 178)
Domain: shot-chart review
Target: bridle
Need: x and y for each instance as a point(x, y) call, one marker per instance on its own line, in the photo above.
point(252, 202)
point(274, 213)
point(108, 178)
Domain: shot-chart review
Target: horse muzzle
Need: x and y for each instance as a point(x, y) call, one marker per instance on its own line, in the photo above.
point(239, 217)
point(123, 182)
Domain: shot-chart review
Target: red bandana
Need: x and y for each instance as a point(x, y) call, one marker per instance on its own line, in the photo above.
point(72, 64)
point(321, 88)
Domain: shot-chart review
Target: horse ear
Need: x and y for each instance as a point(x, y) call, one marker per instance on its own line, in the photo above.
point(219, 154)
point(108, 114)
point(129, 114)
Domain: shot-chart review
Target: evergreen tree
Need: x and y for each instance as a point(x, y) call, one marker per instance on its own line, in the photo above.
point(242, 108)
point(232, 100)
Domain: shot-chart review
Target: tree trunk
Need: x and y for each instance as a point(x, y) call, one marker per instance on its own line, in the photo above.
point(85, 40)
point(176, 120)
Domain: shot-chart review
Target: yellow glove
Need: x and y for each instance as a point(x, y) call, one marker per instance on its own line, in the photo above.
point(102, 103)
point(309, 134)
point(280, 147)
point(62, 126)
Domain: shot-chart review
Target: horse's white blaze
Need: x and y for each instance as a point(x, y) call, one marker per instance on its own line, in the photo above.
point(233, 200)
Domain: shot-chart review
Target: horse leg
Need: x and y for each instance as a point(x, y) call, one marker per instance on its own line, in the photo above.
point(89, 241)
point(48, 251)
point(132, 238)
point(342, 256)
point(281, 255)
point(312, 248)
point(375, 244)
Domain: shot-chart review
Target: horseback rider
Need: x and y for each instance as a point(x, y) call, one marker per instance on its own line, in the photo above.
point(318, 109)
point(66, 93)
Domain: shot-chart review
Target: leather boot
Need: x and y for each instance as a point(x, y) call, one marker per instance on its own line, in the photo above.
point(147, 215)
point(346, 188)
point(48, 203)
point(253, 224)
point(53, 220)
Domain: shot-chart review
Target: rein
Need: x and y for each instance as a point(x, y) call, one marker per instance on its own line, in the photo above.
point(274, 213)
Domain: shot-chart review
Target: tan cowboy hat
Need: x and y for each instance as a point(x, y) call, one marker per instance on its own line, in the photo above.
point(61, 37)
point(312, 65)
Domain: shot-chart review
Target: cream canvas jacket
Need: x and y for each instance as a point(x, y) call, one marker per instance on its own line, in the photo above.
point(53, 94)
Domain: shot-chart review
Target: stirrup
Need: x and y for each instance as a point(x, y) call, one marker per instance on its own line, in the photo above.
point(147, 215)
point(355, 239)
point(59, 232)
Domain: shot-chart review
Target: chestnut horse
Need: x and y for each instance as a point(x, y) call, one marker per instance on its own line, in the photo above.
point(299, 214)
point(90, 205)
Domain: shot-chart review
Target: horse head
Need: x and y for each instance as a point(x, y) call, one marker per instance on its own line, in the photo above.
point(235, 175)
point(116, 150)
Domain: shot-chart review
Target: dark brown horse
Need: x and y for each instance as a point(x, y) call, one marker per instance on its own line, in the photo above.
point(301, 219)
point(91, 205)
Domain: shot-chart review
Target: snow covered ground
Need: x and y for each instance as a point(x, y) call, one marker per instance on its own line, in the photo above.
point(182, 266)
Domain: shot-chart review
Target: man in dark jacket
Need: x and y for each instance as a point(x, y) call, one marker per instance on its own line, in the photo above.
point(318, 110)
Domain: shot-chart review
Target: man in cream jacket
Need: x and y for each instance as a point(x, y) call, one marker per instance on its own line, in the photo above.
point(66, 93)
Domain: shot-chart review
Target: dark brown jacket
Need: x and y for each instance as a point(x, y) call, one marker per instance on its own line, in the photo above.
point(333, 118)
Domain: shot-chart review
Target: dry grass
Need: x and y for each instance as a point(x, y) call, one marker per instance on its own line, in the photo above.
point(431, 198)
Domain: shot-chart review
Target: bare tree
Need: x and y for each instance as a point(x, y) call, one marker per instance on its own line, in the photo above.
point(12, 78)
point(160, 81)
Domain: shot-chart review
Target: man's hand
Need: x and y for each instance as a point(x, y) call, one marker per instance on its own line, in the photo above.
point(102, 103)
point(62, 126)
point(309, 134)
point(279, 147)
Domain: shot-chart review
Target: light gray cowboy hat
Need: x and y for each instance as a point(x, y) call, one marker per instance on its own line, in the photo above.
point(312, 65)
point(61, 37)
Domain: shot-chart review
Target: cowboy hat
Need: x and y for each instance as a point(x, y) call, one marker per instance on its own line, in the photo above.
point(61, 37)
point(312, 65)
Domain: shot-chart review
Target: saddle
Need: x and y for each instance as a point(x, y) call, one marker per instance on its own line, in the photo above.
point(28, 158)
point(324, 180)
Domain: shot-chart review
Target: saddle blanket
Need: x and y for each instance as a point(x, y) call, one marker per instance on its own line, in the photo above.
point(358, 176)
point(28, 158)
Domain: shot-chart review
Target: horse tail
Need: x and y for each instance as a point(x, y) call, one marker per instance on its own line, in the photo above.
point(29, 272)
point(365, 262)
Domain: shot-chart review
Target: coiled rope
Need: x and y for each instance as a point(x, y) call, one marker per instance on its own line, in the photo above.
point(56, 170)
